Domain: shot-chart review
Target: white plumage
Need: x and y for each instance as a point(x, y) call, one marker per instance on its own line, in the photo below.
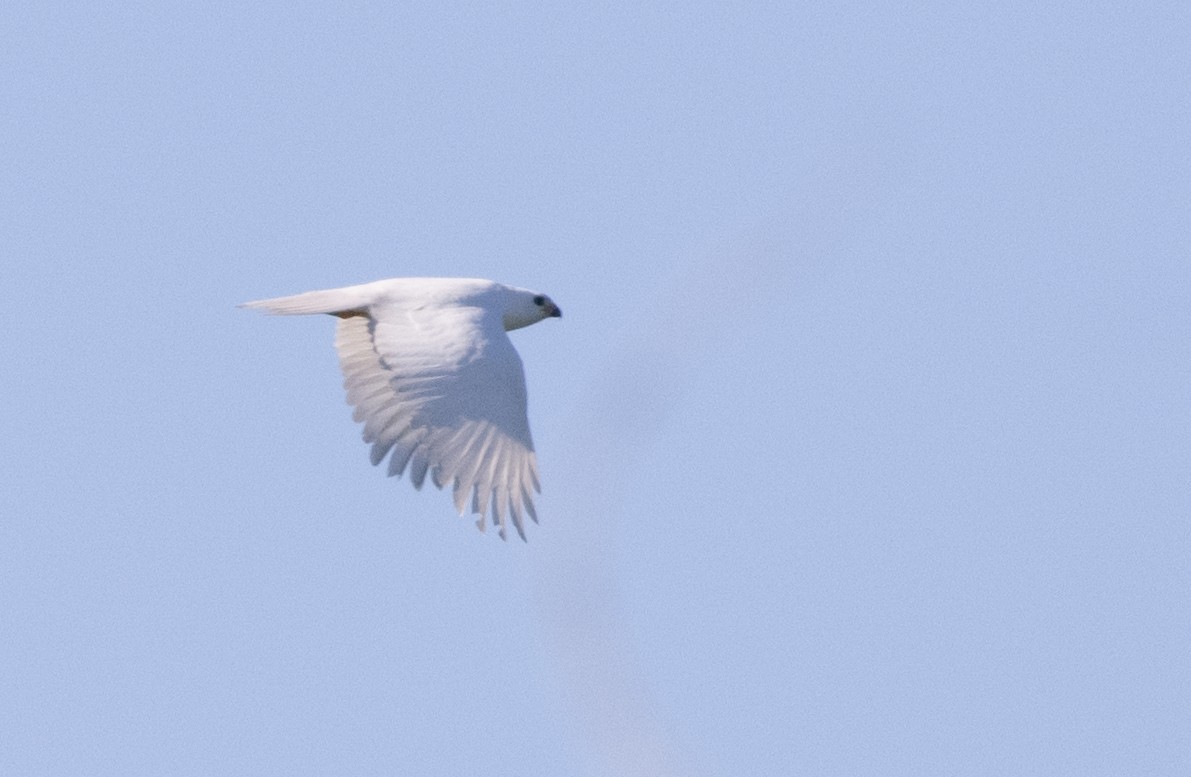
point(437, 383)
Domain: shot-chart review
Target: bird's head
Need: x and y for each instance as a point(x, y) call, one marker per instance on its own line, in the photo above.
point(526, 307)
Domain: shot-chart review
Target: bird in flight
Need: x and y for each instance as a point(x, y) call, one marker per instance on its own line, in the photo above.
point(435, 380)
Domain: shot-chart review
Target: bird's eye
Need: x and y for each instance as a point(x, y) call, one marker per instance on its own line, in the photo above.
point(539, 300)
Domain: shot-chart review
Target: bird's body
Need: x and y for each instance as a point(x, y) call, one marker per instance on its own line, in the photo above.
point(437, 383)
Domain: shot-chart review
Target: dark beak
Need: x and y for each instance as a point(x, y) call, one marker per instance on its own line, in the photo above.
point(555, 311)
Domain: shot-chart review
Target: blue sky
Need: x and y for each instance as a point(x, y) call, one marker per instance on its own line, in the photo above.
point(864, 441)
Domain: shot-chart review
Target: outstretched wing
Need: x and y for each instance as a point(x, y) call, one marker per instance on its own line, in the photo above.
point(441, 390)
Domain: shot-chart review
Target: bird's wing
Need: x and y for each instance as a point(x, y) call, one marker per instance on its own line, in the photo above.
point(442, 390)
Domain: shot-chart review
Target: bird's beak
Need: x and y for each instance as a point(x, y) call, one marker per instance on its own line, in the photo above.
point(555, 311)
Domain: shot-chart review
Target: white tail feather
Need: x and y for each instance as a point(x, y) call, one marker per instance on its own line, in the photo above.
point(331, 301)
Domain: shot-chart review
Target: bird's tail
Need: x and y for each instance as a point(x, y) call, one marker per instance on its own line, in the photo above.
point(351, 300)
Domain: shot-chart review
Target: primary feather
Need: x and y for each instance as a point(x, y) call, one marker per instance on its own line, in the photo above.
point(435, 380)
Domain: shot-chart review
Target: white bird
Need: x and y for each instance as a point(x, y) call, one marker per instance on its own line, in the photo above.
point(437, 383)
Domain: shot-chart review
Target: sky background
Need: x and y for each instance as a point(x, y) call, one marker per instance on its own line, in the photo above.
point(865, 439)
